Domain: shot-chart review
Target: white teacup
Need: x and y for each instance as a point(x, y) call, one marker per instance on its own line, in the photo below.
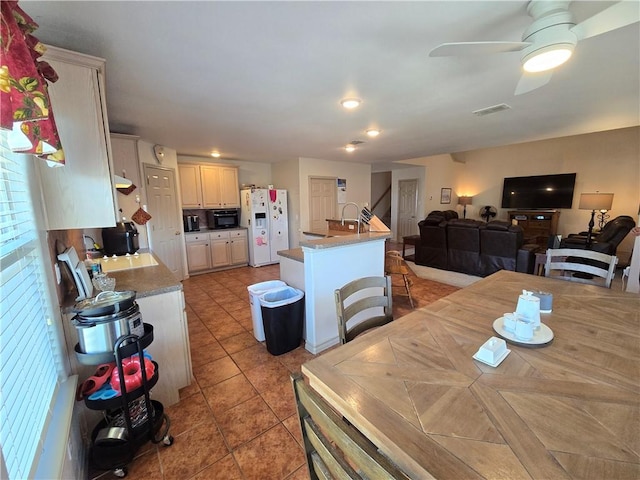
point(524, 329)
point(509, 321)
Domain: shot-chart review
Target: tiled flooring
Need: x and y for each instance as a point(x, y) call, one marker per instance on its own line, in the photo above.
point(237, 419)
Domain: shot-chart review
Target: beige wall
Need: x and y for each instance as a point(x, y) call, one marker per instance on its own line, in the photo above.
point(358, 183)
point(440, 172)
point(287, 175)
point(605, 161)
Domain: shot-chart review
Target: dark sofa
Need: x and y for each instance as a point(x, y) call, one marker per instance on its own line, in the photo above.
point(472, 247)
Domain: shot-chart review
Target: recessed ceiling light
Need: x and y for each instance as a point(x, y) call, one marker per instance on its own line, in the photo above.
point(350, 148)
point(350, 103)
point(373, 132)
point(215, 154)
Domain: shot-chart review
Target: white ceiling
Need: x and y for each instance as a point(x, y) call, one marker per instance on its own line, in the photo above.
point(262, 81)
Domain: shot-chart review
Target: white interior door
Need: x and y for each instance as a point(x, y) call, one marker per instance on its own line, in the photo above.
point(323, 202)
point(165, 232)
point(407, 207)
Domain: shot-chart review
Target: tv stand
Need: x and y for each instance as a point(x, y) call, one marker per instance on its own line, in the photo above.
point(538, 225)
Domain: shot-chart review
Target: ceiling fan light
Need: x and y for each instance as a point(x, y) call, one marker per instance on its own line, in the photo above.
point(350, 103)
point(547, 58)
point(373, 132)
point(350, 148)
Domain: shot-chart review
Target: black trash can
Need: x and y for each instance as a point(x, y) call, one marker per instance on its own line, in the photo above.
point(282, 318)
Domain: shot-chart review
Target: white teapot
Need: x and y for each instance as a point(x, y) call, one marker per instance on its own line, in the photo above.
point(529, 308)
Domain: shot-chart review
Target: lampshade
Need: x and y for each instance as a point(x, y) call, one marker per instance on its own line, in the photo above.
point(122, 182)
point(596, 201)
point(465, 200)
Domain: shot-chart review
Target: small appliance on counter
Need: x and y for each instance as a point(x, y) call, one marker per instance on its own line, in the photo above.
point(217, 219)
point(191, 223)
point(121, 239)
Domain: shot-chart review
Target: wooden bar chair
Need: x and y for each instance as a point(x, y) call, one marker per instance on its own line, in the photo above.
point(394, 264)
point(333, 447)
point(362, 304)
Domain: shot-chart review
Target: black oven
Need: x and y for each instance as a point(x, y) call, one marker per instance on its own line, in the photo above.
point(222, 218)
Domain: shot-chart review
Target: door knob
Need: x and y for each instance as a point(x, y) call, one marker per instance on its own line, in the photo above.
point(177, 232)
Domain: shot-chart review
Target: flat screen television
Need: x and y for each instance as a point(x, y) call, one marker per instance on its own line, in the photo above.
point(539, 191)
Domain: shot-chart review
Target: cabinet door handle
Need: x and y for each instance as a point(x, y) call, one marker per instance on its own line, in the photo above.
point(177, 232)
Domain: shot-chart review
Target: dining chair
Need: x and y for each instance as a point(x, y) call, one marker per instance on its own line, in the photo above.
point(581, 266)
point(333, 447)
point(394, 264)
point(369, 300)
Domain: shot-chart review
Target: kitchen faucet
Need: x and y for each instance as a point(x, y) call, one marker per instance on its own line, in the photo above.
point(357, 219)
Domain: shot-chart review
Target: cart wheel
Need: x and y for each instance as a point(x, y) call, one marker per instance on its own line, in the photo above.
point(120, 472)
point(167, 440)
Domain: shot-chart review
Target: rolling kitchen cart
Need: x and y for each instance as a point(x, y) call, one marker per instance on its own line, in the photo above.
point(131, 418)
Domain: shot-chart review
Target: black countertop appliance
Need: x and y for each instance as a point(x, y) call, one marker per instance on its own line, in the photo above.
point(121, 239)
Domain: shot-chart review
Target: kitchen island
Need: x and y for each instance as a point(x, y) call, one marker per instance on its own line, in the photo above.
point(320, 266)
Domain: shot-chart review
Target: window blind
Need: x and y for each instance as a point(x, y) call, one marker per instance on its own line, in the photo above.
point(30, 357)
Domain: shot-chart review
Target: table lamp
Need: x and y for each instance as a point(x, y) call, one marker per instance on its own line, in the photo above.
point(464, 201)
point(593, 202)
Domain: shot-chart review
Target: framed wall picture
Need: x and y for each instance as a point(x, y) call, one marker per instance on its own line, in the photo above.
point(445, 195)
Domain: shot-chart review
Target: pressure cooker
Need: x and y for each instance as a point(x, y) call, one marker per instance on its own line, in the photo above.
point(101, 320)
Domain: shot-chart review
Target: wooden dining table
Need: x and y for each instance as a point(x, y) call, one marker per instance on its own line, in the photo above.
point(567, 409)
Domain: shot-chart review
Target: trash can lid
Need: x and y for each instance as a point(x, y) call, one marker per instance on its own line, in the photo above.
point(264, 286)
point(280, 296)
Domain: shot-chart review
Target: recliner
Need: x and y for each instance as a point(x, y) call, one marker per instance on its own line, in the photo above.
point(607, 240)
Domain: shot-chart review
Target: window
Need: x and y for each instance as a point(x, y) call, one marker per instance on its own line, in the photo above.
point(31, 365)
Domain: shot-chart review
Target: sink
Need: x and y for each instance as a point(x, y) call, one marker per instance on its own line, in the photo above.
point(127, 262)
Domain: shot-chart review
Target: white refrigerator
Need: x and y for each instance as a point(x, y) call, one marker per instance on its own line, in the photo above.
point(264, 214)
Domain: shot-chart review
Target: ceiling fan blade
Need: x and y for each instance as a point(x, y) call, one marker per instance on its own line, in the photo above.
point(476, 48)
point(616, 16)
point(529, 82)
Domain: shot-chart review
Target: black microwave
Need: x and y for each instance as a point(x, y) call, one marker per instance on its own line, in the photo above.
point(223, 219)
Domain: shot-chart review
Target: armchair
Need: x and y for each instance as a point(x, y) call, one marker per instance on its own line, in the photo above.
point(607, 240)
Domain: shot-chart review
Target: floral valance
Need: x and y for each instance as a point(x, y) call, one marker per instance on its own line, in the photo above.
point(25, 107)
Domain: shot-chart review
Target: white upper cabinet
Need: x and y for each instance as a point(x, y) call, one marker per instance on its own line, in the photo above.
point(124, 149)
point(80, 194)
point(209, 186)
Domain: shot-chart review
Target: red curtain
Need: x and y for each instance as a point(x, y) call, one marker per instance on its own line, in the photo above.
point(25, 107)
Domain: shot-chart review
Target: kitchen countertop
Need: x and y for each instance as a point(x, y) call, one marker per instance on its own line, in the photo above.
point(145, 281)
point(209, 230)
point(342, 240)
point(331, 242)
point(293, 253)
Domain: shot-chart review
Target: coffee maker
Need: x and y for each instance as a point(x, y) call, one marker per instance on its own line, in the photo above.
point(191, 223)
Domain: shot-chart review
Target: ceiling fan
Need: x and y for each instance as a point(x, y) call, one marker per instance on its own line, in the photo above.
point(550, 39)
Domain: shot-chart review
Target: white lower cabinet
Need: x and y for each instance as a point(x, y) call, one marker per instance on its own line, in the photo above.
point(239, 247)
point(216, 250)
point(170, 346)
point(198, 252)
point(220, 256)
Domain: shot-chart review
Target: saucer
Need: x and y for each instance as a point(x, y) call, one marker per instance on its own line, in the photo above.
point(498, 360)
point(541, 336)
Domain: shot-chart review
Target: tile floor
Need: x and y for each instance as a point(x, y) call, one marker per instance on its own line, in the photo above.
point(237, 420)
